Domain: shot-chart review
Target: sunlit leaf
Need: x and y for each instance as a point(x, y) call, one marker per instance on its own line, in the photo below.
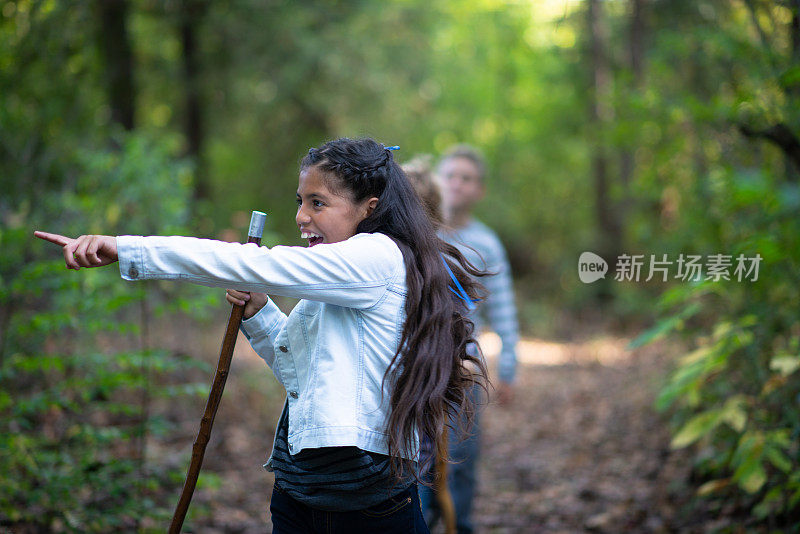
point(696, 428)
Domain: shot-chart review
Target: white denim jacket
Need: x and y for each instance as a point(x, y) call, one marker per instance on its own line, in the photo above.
point(333, 349)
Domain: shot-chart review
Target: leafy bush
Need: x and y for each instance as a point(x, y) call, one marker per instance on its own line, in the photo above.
point(74, 409)
point(735, 397)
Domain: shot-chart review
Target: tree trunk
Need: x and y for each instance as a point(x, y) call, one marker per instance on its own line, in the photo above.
point(781, 133)
point(115, 44)
point(636, 65)
point(795, 30)
point(793, 171)
point(600, 115)
point(191, 15)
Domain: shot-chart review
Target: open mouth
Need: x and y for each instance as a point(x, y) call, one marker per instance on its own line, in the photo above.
point(313, 239)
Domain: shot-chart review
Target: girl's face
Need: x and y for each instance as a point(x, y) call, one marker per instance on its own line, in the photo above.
point(325, 216)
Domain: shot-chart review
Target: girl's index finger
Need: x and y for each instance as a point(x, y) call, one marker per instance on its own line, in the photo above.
point(58, 239)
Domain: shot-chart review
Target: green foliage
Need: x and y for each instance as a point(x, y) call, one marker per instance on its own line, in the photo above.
point(513, 78)
point(75, 406)
point(734, 396)
point(737, 393)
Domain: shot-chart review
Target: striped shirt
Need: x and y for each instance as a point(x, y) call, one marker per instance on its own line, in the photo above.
point(333, 478)
point(499, 307)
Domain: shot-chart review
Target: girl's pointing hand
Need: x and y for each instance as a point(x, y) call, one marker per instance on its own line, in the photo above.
point(85, 251)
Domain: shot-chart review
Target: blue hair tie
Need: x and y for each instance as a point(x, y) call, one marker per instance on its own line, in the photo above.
point(460, 293)
point(396, 147)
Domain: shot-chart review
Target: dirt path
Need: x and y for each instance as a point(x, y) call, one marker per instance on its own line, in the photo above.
point(579, 450)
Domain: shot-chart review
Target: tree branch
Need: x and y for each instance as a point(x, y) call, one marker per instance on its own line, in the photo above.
point(781, 135)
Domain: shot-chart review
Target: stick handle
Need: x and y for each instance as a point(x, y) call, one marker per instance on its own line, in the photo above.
point(215, 395)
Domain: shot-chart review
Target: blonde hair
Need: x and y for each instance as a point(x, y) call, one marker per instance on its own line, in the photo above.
point(420, 173)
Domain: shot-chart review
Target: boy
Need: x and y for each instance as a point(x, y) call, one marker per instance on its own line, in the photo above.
point(462, 172)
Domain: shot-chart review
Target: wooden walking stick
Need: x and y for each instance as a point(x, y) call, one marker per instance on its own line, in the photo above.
point(443, 496)
point(226, 353)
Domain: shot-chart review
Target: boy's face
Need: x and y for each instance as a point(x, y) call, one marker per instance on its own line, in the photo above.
point(326, 216)
point(462, 186)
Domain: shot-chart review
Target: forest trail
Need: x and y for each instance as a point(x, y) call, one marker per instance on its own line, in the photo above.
point(580, 449)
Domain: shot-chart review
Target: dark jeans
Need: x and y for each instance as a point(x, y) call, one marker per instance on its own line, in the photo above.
point(400, 514)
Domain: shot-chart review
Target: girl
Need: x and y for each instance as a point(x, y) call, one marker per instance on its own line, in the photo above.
point(372, 356)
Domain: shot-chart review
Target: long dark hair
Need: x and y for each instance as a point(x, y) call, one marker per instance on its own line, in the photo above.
point(429, 375)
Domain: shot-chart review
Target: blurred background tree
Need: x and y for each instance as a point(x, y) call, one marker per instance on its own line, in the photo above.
point(638, 127)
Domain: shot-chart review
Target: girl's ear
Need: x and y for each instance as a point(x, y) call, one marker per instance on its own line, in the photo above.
point(370, 206)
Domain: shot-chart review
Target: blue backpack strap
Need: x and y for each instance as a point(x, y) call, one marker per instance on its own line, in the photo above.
point(460, 293)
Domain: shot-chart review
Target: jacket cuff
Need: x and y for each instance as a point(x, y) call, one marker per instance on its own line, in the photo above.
point(129, 253)
point(264, 324)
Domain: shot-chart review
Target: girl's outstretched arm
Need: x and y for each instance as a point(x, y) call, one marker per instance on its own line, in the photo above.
point(354, 273)
point(85, 251)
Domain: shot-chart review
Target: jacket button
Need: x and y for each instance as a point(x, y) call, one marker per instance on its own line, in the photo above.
point(133, 272)
point(283, 348)
point(293, 394)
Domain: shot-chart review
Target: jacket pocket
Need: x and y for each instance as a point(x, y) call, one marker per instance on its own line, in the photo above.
point(309, 308)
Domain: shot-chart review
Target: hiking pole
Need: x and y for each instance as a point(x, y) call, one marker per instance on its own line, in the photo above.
point(215, 395)
point(443, 496)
